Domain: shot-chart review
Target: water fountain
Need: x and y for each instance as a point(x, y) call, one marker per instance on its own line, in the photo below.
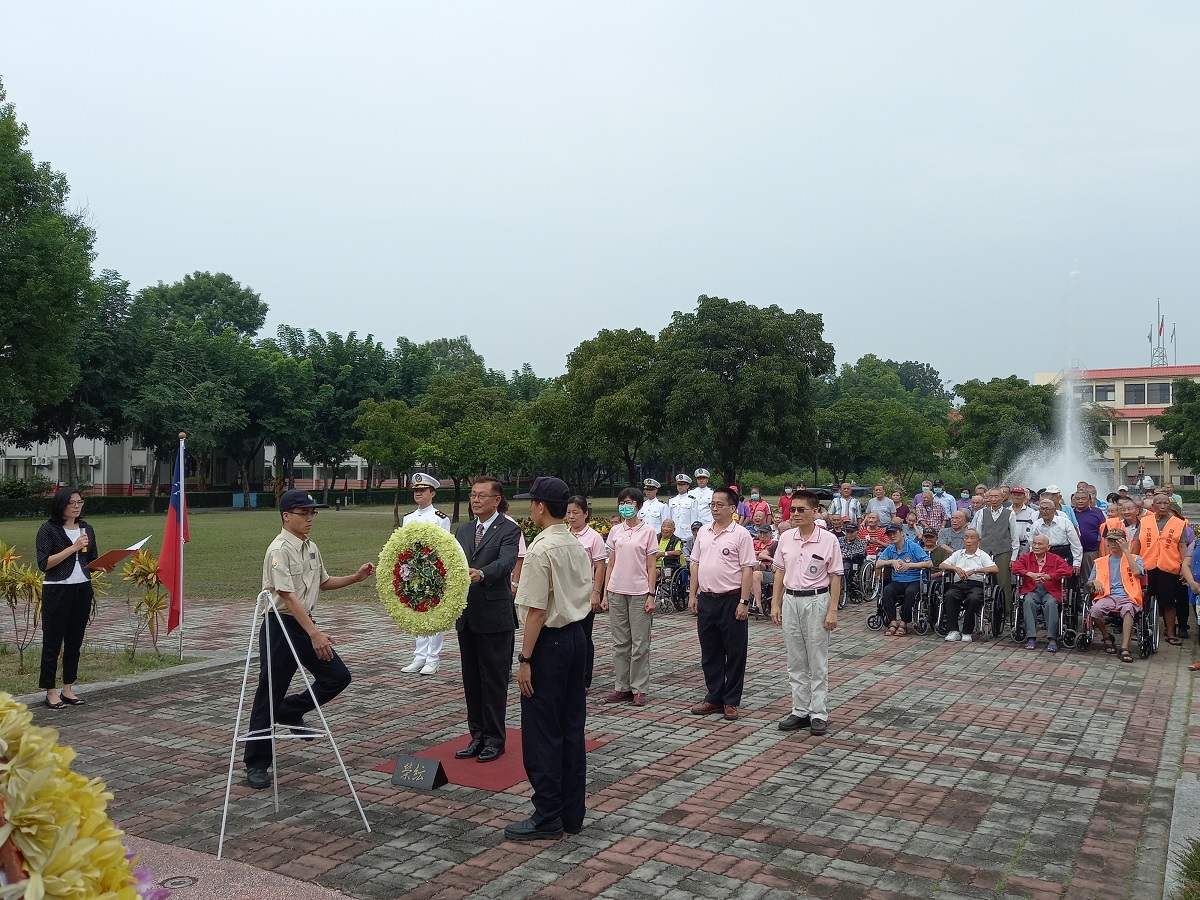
point(1067, 458)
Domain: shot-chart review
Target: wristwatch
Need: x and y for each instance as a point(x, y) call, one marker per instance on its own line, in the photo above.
point(522, 658)
point(744, 602)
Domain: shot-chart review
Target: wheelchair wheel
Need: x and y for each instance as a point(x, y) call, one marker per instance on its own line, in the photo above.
point(921, 622)
point(935, 609)
point(1083, 641)
point(996, 614)
point(1070, 638)
point(875, 622)
point(662, 592)
point(679, 590)
point(1018, 634)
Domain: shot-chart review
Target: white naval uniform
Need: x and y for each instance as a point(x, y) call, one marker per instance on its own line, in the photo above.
point(703, 497)
point(653, 512)
point(684, 511)
point(429, 648)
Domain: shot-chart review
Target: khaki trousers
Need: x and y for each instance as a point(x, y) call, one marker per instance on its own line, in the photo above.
point(807, 653)
point(630, 624)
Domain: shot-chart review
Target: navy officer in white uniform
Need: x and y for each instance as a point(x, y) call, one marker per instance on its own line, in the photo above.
point(703, 495)
point(429, 649)
point(653, 511)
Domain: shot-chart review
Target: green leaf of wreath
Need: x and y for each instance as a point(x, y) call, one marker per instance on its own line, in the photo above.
point(447, 595)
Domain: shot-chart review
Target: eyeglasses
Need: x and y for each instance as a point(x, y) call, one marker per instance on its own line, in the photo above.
point(717, 504)
point(482, 496)
point(74, 503)
point(307, 513)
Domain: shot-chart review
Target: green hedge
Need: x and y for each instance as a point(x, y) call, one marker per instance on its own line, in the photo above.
point(1189, 496)
point(39, 507)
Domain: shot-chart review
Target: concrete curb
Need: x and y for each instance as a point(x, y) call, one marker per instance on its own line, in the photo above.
point(213, 661)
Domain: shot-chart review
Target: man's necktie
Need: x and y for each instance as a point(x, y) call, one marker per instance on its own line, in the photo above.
point(478, 534)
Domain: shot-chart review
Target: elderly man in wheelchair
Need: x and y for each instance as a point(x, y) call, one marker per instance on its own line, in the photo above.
point(1116, 585)
point(971, 566)
point(1042, 577)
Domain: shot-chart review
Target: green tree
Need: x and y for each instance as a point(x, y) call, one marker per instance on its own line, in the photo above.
point(1001, 418)
point(741, 380)
point(216, 301)
point(108, 356)
point(1180, 425)
point(921, 379)
point(46, 285)
point(907, 442)
point(851, 427)
point(477, 428)
point(346, 370)
point(393, 434)
point(561, 444)
point(611, 378)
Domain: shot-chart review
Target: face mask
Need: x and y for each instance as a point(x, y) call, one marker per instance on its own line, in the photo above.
point(626, 510)
point(937, 491)
point(787, 490)
point(754, 496)
point(965, 495)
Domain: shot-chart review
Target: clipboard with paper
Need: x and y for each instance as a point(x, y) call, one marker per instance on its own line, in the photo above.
point(114, 558)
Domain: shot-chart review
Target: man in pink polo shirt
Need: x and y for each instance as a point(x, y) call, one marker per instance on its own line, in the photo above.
point(722, 570)
point(805, 604)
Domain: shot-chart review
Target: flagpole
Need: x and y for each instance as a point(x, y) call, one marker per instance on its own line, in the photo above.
point(180, 512)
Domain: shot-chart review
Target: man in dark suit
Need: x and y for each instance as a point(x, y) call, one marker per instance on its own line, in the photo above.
point(487, 626)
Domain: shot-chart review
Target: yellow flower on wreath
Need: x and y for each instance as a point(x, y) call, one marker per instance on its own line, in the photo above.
point(435, 598)
point(56, 818)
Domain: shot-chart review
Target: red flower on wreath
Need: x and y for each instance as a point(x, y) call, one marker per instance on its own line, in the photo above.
point(418, 578)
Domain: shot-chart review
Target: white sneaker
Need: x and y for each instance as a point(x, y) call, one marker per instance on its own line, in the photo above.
point(954, 636)
point(966, 639)
point(415, 666)
point(430, 668)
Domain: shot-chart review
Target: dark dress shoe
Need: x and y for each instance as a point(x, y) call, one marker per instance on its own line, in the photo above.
point(71, 701)
point(819, 726)
point(794, 722)
point(472, 749)
point(527, 831)
point(705, 708)
point(298, 728)
point(490, 754)
point(258, 778)
point(58, 705)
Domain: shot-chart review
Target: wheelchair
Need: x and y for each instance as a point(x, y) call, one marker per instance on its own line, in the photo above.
point(852, 583)
point(671, 589)
point(922, 620)
point(1069, 610)
point(870, 585)
point(991, 619)
point(1146, 628)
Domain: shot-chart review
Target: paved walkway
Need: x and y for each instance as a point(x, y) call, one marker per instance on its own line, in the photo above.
point(949, 771)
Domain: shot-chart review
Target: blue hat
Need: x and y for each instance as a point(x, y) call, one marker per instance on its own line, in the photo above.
point(299, 500)
point(546, 488)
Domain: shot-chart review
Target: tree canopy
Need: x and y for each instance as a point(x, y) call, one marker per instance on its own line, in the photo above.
point(1180, 425)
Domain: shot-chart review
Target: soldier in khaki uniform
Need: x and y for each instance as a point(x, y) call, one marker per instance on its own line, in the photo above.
point(294, 573)
point(552, 602)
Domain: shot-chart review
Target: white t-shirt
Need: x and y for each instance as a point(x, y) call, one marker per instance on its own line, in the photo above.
point(78, 576)
point(970, 563)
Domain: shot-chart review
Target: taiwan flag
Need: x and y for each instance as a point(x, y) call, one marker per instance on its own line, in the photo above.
point(170, 559)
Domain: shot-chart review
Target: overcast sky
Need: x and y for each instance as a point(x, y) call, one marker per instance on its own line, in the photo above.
point(925, 175)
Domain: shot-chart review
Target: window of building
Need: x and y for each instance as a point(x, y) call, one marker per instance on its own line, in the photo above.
point(1106, 393)
point(1159, 393)
point(1085, 393)
point(1135, 393)
point(1187, 481)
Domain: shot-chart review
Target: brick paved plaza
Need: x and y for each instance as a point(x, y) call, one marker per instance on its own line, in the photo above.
point(949, 771)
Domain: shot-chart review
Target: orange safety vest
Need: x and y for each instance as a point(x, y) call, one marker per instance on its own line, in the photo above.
point(1111, 522)
point(1160, 550)
point(1133, 587)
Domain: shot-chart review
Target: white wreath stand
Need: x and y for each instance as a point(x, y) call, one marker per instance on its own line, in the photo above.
point(265, 605)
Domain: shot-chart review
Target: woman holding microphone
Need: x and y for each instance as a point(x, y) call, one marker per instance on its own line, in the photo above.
point(66, 545)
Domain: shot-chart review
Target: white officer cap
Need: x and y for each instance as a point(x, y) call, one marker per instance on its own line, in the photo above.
point(702, 473)
point(683, 478)
point(651, 483)
point(423, 480)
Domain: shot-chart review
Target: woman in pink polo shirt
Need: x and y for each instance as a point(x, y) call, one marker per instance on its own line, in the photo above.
point(578, 512)
point(629, 599)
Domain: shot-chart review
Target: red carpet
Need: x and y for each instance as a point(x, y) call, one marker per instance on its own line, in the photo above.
point(496, 776)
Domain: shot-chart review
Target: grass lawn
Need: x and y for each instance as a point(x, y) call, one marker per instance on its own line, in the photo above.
point(224, 558)
point(94, 667)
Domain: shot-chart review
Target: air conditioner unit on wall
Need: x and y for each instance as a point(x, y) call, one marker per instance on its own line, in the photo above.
point(41, 461)
point(93, 461)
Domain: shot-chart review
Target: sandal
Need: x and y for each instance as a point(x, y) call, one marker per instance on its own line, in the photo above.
point(1126, 656)
point(901, 631)
point(891, 631)
point(1110, 646)
point(1174, 641)
point(1052, 647)
point(1194, 667)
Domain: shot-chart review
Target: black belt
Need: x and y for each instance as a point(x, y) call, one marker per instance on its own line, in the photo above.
point(709, 595)
point(808, 593)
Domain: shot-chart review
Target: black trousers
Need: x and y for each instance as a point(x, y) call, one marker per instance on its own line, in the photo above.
point(1167, 588)
point(724, 642)
point(958, 595)
point(330, 678)
point(552, 722)
point(66, 609)
point(486, 671)
point(587, 623)
point(903, 594)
